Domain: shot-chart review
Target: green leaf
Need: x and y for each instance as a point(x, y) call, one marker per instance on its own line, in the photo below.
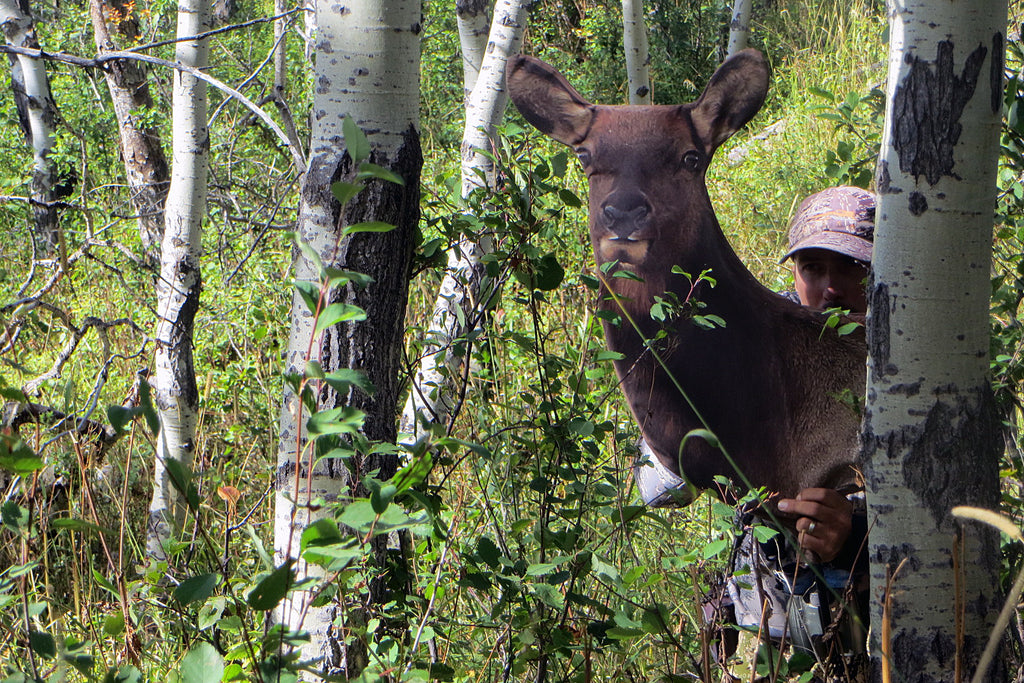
point(257, 543)
point(17, 457)
point(344, 192)
point(764, 533)
point(12, 394)
point(210, 613)
point(414, 473)
point(321, 532)
point(359, 515)
point(712, 320)
point(336, 557)
point(355, 140)
point(119, 416)
point(272, 589)
point(540, 569)
point(310, 293)
point(105, 584)
point(581, 426)
point(83, 662)
point(487, 551)
point(181, 479)
point(323, 544)
point(653, 621)
point(549, 273)
point(311, 254)
point(715, 547)
point(338, 313)
point(344, 420)
point(820, 92)
point(341, 380)
point(620, 633)
point(126, 674)
point(13, 516)
point(148, 410)
point(202, 664)
point(368, 171)
point(196, 588)
point(113, 624)
point(604, 571)
point(234, 672)
point(339, 277)
point(549, 595)
point(42, 644)
point(381, 498)
point(79, 525)
point(569, 198)
point(367, 226)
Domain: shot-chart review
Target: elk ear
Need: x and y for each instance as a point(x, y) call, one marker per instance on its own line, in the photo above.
point(547, 101)
point(733, 95)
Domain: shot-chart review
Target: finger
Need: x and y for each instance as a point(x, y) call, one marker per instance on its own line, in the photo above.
point(808, 527)
point(821, 549)
point(806, 508)
point(829, 498)
point(819, 495)
point(821, 539)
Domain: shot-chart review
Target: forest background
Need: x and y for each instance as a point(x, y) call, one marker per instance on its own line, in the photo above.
point(529, 550)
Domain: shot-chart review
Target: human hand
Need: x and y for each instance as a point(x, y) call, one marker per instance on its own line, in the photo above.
point(825, 520)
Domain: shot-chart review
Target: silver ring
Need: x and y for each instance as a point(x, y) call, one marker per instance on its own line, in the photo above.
point(811, 527)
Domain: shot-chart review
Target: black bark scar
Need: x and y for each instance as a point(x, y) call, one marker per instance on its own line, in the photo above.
point(926, 111)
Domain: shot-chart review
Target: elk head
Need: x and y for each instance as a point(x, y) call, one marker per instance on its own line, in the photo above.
point(649, 207)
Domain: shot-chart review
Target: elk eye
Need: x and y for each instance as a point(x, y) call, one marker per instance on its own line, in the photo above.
point(691, 160)
point(583, 155)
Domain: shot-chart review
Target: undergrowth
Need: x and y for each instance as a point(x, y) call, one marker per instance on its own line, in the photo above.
point(530, 551)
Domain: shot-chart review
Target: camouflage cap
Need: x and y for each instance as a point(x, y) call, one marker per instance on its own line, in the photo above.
point(841, 219)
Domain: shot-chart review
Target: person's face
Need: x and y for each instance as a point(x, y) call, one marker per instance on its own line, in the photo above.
point(828, 279)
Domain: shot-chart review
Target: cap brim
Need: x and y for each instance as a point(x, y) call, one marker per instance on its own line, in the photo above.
point(842, 242)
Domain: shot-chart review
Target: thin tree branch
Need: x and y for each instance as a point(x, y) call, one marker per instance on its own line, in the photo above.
point(213, 32)
point(77, 333)
point(100, 62)
point(16, 415)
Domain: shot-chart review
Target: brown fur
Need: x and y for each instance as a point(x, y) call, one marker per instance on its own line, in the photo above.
point(767, 384)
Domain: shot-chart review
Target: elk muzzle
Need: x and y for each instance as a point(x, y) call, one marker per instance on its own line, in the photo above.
point(623, 227)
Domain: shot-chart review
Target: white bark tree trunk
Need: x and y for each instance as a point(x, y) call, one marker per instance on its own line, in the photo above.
point(474, 22)
point(464, 294)
point(37, 113)
point(638, 60)
point(739, 27)
point(931, 439)
point(174, 383)
point(145, 164)
point(367, 68)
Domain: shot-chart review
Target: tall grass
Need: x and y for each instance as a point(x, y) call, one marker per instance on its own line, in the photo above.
point(538, 556)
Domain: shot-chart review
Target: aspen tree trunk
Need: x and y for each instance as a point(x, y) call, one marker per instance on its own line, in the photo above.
point(474, 22)
point(739, 27)
point(174, 382)
point(931, 438)
point(464, 293)
point(367, 68)
point(144, 160)
point(638, 61)
point(37, 114)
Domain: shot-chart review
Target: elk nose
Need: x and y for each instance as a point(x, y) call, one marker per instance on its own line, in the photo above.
point(626, 214)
